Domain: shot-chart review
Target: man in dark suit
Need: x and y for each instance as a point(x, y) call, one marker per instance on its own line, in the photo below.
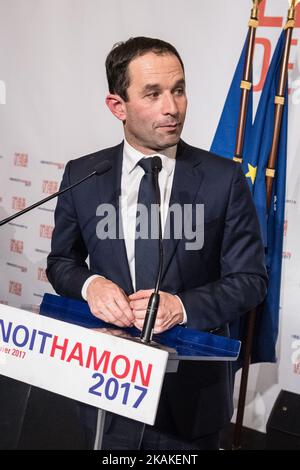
point(203, 287)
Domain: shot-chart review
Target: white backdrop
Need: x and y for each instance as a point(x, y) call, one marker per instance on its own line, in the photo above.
point(52, 91)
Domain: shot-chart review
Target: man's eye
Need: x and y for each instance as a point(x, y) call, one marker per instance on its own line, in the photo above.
point(179, 91)
point(154, 94)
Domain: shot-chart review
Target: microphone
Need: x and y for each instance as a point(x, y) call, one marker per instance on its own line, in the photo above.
point(99, 169)
point(153, 303)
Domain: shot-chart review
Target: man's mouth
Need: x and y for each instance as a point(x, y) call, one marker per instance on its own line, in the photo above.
point(170, 126)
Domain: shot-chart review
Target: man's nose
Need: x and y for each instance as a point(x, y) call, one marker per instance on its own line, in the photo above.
point(169, 105)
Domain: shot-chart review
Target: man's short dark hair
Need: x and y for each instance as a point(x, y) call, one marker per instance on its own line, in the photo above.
point(123, 53)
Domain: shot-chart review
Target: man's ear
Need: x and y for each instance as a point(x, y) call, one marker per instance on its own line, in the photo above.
point(117, 106)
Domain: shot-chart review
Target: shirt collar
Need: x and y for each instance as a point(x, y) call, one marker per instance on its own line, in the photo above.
point(132, 156)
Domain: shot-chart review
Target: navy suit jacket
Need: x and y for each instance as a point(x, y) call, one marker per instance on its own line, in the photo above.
point(217, 283)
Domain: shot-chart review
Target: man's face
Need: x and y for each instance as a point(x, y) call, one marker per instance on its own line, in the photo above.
point(155, 111)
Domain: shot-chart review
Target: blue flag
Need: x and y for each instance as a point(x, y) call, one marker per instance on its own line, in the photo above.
point(257, 146)
point(272, 221)
point(224, 140)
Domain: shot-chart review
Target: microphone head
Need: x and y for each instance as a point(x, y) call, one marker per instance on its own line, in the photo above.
point(102, 167)
point(156, 163)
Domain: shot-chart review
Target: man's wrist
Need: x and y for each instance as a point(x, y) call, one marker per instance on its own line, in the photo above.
point(87, 283)
point(184, 320)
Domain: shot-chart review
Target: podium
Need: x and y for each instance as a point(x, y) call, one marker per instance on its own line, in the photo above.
point(57, 351)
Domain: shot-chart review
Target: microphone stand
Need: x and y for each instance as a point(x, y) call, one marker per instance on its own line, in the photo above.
point(153, 303)
point(101, 168)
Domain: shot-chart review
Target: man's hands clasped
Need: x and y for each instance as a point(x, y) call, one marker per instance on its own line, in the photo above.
point(109, 302)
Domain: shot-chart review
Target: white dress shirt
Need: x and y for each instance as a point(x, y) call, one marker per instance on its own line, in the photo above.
point(131, 177)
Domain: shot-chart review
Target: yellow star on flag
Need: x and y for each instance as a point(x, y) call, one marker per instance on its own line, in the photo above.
point(252, 172)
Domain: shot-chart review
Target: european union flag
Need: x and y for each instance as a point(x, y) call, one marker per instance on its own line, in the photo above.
point(224, 140)
point(257, 146)
point(272, 220)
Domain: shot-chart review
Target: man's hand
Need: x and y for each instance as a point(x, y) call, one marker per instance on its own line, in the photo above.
point(108, 302)
point(169, 312)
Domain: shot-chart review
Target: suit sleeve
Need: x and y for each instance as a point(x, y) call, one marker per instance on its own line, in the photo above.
point(243, 280)
point(67, 269)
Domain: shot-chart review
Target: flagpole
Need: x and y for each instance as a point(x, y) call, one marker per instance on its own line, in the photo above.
point(246, 83)
point(270, 174)
point(279, 100)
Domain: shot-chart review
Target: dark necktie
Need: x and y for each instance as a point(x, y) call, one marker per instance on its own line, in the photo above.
point(146, 241)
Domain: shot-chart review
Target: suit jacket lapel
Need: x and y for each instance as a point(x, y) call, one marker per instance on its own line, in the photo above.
point(186, 184)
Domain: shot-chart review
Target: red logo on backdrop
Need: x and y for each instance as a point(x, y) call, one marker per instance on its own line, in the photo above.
point(275, 21)
point(18, 203)
point(271, 22)
point(296, 368)
point(15, 288)
point(31, 308)
point(285, 226)
point(16, 246)
point(49, 187)
point(21, 159)
point(42, 275)
point(46, 231)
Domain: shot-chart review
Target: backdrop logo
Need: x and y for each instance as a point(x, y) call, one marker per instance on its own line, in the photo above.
point(285, 227)
point(274, 22)
point(49, 187)
point(41, 275)
point(291, 201)
point(295, 90)
point(16, 246)
point(46, 231)
point(2, 92)
point(31, 308)
point(19, 180)
point(295, 357)
point(15, 288)
point(23, 269)
point(21, 159)
point(39, 250)
point(13, 224)
point(59, 165)
point(18, 203)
